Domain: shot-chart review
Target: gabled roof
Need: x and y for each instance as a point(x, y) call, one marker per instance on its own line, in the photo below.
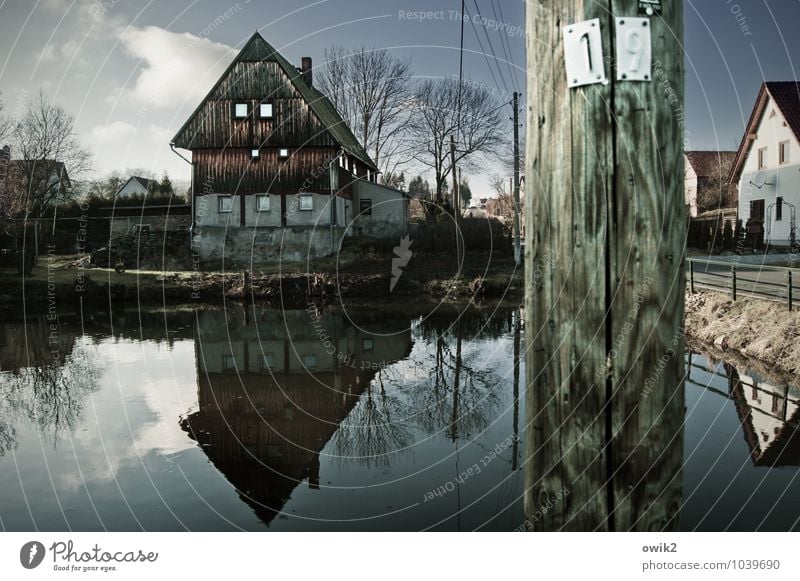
point(258, 49)
point(51, 167)
point(786, 95)
point(707, 163)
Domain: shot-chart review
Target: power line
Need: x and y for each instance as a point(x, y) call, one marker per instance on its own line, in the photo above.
point(491, 47)
point(506, 46)
point(485, 56)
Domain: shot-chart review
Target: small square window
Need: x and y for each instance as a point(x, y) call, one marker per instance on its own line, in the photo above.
point(262, 203)
point(225, 204)
point(254, 154)
point(366, 207)
point(762, 158)
point(309, 361)
point(265, 110)
point(307, 203)
point(240, 110)
point(367, 344)
point(283, 153)
point(783, 152)
point(228, 363)
point(267, 361)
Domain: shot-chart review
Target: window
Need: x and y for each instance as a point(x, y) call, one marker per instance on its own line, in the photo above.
point(225, 204)
point(267, 361)
point(366, 344)
point(779, 209)
point(757, 210)
point(240, 110)
point(366, 207)
point(265, 110)
point(262, 203)
point(762, 158)
point(228, 363)
point(283, 152)
point(254, 153)
point(309, 361)
point(783, 152)
point(307, 202)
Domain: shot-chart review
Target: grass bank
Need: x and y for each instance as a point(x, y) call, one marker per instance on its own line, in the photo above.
point(428, 277)
point(761, 330)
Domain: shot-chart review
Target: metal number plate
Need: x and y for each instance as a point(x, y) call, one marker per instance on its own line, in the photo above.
point(634, 50)
point(583, 53)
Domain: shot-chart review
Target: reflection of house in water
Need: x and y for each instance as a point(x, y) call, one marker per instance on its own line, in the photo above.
point(770, 417)
point(273, 391)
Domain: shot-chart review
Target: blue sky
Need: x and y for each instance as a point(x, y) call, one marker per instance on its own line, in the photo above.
point(131, 71)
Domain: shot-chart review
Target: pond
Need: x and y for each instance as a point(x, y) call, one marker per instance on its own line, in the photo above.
point(369, 418)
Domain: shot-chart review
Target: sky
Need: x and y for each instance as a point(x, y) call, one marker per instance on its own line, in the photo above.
point(132, 71)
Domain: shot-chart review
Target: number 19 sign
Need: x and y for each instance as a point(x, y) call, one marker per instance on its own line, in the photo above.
point(583, 51)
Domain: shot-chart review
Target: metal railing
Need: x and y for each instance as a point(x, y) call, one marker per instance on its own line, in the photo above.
point(776, 283)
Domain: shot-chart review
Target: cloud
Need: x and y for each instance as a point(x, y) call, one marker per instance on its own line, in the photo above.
point(176, 67)
point(121, 144)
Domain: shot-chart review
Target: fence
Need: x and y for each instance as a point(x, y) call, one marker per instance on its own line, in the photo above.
point(776, 283)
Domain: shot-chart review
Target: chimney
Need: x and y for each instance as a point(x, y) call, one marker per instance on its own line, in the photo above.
point(305, 68)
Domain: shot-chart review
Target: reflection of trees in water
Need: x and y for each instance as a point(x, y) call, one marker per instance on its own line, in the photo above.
point(375, 428)
point(459, 395)
point(49, 390)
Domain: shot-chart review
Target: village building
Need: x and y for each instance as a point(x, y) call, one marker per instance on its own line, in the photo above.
point(706, 179)
point(767, 165)
point(276, 171)
point(136, 186)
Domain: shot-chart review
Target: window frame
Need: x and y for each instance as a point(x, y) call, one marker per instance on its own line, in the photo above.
point(762, 157)
point(309, 361)
point(260, 197)
point(368, 210)
point(783, 152)
point(261, 114)
point(255, 153)
point(283, 152)
point(222, 198)
point(236, 114)
point(226, 357)
point(304, 197)
point(267, 361)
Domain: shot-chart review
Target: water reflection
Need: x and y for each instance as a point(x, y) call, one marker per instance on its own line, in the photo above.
point(328, 419)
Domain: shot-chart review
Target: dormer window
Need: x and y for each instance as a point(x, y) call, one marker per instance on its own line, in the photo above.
point(265, 111)
point(254, 154)
point(240, 110)
point(283, 152)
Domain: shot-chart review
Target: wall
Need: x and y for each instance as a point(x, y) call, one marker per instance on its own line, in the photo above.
point(389, 217)
point(125, 224)
point(778, 180)
point(244, 246)
point(690, 187)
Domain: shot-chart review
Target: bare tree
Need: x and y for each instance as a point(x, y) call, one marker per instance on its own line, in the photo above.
point(6, 125)
point(50, 156)
point(370, 88)
point(713, 190)
point(468, 112)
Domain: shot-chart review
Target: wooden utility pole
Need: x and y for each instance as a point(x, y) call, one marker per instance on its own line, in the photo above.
point(456, 200)
point(604, 274)
point(517, 244)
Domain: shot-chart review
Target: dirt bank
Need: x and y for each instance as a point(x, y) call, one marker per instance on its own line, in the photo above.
point(762, 330)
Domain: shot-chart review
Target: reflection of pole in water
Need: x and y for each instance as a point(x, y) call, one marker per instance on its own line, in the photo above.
point(517, 336)
point(456, 379)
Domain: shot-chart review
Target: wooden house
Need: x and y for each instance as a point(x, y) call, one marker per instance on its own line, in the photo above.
point(277, 173)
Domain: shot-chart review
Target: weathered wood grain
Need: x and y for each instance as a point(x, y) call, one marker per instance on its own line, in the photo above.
point(604, 281)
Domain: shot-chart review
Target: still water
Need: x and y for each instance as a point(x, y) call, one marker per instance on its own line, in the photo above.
point(357, 419)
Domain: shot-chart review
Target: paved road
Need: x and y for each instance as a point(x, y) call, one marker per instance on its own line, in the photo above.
point(750, 279)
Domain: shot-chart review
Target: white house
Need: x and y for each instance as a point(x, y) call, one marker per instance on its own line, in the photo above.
point(767, 165)
point(134, 187)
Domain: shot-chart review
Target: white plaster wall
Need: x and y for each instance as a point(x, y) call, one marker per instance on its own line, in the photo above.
point(781, 180)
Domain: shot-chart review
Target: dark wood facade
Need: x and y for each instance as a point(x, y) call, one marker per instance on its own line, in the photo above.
point(321, 156)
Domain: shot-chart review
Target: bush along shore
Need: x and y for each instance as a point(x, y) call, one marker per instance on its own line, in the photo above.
point(764, 331)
